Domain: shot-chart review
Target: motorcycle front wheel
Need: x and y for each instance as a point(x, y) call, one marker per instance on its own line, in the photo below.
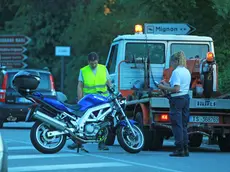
point(129, 142)
point(42, 142)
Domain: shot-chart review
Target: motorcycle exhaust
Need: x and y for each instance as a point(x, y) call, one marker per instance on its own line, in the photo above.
point(51, 121)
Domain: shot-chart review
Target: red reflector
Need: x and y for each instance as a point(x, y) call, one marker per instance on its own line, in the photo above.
point(164, 117)
point(3, 90)
point(52, 82)
point(4, 83)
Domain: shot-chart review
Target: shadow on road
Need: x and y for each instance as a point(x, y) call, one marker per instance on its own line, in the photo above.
point(206, 149)
point(200, 149)
point(15, 128)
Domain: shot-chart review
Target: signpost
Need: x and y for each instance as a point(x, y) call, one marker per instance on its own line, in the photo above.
point(12, 49)
point(62, 51)
point(14, 40)
point(12, 57)
point(169, 28)
point(14, 64)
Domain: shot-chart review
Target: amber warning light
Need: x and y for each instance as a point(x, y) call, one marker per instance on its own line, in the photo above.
point(210, 57)
point(138, 28)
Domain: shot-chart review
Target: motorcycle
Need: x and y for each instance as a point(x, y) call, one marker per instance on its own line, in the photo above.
point(86, 122)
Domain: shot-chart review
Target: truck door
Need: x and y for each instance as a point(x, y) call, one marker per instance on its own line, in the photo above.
point(111, 63)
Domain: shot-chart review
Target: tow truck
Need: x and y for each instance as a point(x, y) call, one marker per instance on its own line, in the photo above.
point(136, 61)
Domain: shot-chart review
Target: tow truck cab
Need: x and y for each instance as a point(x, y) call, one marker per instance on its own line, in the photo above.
point(125, 61)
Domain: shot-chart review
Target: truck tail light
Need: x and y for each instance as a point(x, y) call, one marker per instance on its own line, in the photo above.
point(164, 117)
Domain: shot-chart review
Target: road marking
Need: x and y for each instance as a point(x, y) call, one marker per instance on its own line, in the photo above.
point(134, 163)
point(21, 148)
point(66, 166)
point(12, 157)
point(129, 162)
point(17, 141)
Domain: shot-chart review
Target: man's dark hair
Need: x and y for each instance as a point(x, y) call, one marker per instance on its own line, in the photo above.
point(93, 56)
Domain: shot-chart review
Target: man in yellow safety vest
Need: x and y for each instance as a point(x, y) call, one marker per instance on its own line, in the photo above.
point(93, 79)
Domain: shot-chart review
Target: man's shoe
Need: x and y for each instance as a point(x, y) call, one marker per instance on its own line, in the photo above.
point(72, 146)
point(186, 151)
point(178, 153)
point(102, 146)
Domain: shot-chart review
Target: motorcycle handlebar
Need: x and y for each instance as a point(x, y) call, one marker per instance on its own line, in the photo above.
point(111, 90)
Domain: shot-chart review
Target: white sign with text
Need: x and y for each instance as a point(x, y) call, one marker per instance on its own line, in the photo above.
point(62, 51)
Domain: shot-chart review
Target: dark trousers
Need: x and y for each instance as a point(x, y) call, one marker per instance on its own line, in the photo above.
point(179, 116)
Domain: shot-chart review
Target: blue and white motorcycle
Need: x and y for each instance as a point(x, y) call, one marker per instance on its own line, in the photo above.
point(86, 122)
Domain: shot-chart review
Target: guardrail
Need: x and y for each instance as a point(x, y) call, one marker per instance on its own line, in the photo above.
point(3, 155)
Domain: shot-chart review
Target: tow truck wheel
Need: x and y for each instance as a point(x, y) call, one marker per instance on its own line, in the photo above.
point(110, 138)
point(195, 140)
point(153, 139)
point(148, 138)
point(157, 140)
point(224, 143)
point(146, 132)
point(112, 132)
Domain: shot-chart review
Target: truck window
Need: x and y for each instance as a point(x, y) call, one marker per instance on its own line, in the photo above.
point(191, 50)
point(155, 51)
point(112, 59)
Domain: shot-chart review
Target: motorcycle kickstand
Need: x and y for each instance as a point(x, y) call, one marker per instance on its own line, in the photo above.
point(78, 144)
point(82, 148)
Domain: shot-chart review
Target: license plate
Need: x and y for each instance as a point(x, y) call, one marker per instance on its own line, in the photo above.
point(23, 100)
point(204, 119)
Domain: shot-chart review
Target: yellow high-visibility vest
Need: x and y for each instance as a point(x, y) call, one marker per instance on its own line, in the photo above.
point(94, 83)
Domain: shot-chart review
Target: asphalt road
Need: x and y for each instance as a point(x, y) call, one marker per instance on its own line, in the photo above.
point(23, 157)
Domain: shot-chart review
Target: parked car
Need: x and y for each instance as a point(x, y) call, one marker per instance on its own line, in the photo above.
point(14, 107)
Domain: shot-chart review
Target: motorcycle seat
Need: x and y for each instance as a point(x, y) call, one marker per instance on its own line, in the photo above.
point(76, 109)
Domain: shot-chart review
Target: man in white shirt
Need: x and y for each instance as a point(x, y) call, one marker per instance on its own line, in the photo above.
point(179, 102)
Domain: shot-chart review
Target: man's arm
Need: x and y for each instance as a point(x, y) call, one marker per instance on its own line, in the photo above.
point(80, 86)
point(80, 90)
point(109, 83)
point(175, 84)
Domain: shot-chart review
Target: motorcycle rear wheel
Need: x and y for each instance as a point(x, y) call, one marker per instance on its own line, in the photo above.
point(42, 142)
point(130, 143)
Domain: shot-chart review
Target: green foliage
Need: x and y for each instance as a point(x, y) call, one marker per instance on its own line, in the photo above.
point(91, 25)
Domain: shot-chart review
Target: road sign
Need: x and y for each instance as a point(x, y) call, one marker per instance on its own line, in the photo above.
point(169, 28)
point(12, 49)
point(13, 57)
point(14, 64)
point(14, 40)
point(62, 51)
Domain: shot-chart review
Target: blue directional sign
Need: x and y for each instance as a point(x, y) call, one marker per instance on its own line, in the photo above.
point(168, 28)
